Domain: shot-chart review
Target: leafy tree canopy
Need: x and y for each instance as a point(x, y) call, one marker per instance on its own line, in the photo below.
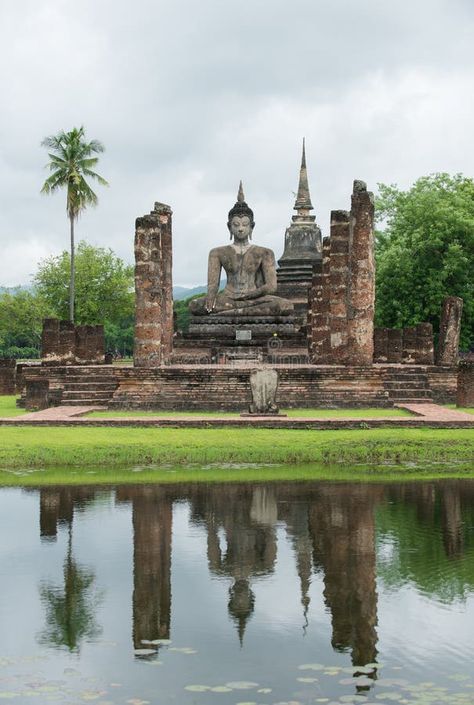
point(21, 315)
point(425, 251)
point(104, 285)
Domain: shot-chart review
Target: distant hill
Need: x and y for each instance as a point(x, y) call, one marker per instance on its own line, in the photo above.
point(183, 292)
point(21, 287)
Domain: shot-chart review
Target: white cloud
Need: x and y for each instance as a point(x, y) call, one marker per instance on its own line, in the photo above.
point(189, 98)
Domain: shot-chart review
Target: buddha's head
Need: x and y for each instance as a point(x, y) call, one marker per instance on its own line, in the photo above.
point(240, 221)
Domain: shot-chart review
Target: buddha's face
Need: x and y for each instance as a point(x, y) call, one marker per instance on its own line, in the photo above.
point(240, 228)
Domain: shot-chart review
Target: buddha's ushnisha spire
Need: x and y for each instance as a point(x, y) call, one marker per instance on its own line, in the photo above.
point(303, 199)
point(240, 194)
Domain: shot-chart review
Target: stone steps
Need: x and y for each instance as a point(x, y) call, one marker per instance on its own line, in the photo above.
point(226, 387)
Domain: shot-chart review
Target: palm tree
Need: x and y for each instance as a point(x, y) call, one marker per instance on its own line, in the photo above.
point(72, 160)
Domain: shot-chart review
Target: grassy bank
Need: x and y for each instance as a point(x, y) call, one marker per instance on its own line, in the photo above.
point(8, 407)
point(23, 447)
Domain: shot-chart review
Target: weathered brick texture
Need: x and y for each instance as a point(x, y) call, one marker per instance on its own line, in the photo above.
point(449, 330)
point(153, 288)
point(63, 343)
point(7, 376)
point(465, 392)
point(361, 297)
point(411, 346)
point(341, 327)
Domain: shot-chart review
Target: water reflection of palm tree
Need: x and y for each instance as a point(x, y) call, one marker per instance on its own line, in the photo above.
point(70, 608)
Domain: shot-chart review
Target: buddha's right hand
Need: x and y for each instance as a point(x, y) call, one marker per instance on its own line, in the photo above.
point(210, 303)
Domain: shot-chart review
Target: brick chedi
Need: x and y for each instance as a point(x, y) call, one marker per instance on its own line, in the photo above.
point(302, 245)
point(344, 292)
point(153, 288)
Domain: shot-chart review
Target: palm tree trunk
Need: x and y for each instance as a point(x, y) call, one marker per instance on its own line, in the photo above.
point(72, 281)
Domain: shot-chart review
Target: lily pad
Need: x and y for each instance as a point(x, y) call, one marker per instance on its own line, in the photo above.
point(307, 680)
point(311, 667)
point(221, 689)
point(242, 685)
point(197, 688)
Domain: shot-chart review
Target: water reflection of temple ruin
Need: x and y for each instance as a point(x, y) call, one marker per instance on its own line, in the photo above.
point(331, 528)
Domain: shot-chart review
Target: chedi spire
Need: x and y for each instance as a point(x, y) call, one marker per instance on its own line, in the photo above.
point(303, 199)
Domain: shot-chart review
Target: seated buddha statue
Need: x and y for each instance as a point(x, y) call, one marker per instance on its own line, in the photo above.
point(250, 269)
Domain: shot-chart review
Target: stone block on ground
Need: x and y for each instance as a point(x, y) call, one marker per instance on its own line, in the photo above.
point(36, 394)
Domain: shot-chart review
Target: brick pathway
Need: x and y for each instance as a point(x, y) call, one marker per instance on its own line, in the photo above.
point(424, 415)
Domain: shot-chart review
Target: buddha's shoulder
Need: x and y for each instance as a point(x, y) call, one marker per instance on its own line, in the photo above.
point(222, 250)
point(263, 251)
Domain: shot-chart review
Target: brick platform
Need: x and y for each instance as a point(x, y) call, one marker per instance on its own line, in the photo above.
point(227, 387)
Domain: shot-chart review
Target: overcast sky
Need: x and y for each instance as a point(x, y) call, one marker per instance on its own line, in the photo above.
point(189, 96)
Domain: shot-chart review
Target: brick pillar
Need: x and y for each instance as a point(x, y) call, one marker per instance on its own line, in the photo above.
point(338, 279)
point(361, 292)
point(449, 330)
point(153, 288)
point(465, 394)
point(319, 342)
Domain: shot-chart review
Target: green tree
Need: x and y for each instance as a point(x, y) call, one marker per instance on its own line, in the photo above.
point(21, 314)
point(72, 160)
point(425, 251)
point(181, 310)
point(104, 291)
point(70, 608)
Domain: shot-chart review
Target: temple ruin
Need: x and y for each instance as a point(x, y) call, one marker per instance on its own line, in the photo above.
point(311, 317)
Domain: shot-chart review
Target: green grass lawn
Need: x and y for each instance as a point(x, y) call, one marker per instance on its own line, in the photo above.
point(294, 413)
point(29, 446)
point(8, 406)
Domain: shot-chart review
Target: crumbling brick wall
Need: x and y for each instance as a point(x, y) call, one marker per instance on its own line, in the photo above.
point(63, 343)
point(7, 376)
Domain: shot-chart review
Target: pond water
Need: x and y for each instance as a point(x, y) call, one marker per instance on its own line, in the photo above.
point(238, 593)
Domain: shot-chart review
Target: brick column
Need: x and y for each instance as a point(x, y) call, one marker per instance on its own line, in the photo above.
point(319, 343)
point(465, 394)
point(338, 279)
point(153, 288)
point(449, 330)
point(361, 293)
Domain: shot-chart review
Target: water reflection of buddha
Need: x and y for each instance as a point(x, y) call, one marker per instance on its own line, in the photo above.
point(244, 519)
